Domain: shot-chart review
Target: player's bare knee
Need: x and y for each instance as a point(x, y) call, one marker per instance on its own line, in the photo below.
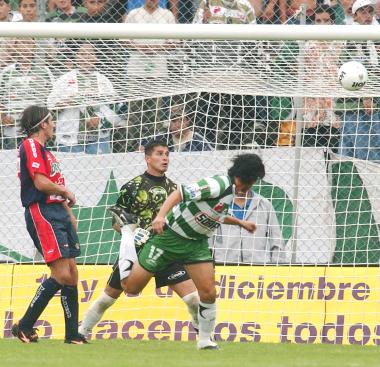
point(64, 272)
point(73, 279)
point(64, 278)
point(74, 273)
point(129, 287)
point(112, 292)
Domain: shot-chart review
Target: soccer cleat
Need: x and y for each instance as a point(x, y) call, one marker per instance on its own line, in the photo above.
point(24, 335)
point(208, 345)
point(33, 337)
point(80, 339)
point(84, 331)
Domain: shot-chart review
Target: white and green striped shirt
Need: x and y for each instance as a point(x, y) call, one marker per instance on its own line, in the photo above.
point(204, 206)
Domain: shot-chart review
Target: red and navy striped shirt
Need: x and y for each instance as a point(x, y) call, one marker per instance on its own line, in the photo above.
point(35, 158)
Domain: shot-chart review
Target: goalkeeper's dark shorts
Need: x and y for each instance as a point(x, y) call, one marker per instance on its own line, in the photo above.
point(175, 273)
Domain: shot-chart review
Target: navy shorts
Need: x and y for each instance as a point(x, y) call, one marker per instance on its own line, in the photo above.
point(173, 274)
point(52, 232)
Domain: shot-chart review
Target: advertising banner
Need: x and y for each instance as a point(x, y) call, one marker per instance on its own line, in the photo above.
point(255, 304)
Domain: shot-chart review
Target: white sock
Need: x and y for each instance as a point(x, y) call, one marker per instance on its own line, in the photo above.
point(127, 251)
point(192, 302)
point(206, 318)
point(95, 312)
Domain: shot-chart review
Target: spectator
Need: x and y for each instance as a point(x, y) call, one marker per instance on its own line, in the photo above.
point(108, 53)
point(321, 125)
point(59, 55)
point(257, 6)
point(6, 14)
point(361, 132)
point(225, 12)
point(186, 11)
point(51, 6)
point(84, 120)
point(171, 5)
point(364, 51)
point(28, 10)
point(337, 8)
point(293, 8)
point(364, 12)
point(60, 52)
point(226, 121)
point(66, 12)
point(22, 83)
point(347, 7)
point(115, 9)
point(182, 136)
point(281, 124)
point(146, 67)
point(236, 245)
point(274, 12)
point(323, 14)
point(97, 11)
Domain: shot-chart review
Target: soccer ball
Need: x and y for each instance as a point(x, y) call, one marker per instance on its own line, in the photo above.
point(352, 75)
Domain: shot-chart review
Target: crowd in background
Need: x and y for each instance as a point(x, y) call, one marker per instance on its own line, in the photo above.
point(182, 11)
point(73, 79)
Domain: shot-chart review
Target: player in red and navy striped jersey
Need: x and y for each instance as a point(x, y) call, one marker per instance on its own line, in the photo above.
point(50, 223)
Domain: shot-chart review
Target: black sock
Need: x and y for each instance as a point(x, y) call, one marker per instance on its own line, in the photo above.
point(69, 301)
point(44, 294)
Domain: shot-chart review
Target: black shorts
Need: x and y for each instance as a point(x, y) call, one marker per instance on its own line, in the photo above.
point(52, 232)
point(173, 274)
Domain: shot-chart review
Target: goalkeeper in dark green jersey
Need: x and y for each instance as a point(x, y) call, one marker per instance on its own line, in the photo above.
point(139, 202)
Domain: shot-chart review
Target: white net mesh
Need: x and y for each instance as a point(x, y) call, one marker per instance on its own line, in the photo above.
point(319, 201)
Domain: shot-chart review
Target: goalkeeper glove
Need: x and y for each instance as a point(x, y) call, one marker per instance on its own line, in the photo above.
point(141, 236)
point(121, 217)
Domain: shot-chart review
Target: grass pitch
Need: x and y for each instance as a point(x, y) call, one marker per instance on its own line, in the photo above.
point(115, 353)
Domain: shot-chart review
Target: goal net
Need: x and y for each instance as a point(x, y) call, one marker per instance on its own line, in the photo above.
point(309, 271)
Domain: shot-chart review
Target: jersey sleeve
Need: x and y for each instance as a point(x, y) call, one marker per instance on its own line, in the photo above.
point(172, 186)
point(207, 188)
point(35, 162)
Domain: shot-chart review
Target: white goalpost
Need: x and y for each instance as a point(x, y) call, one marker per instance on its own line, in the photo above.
point(310, 272)
point(190, 31)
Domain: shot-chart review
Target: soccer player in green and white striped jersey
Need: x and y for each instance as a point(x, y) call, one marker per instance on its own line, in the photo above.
point(188, 217)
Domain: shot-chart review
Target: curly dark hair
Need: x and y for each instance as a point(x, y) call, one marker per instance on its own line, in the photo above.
point(31, 117)
point(248, 167)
